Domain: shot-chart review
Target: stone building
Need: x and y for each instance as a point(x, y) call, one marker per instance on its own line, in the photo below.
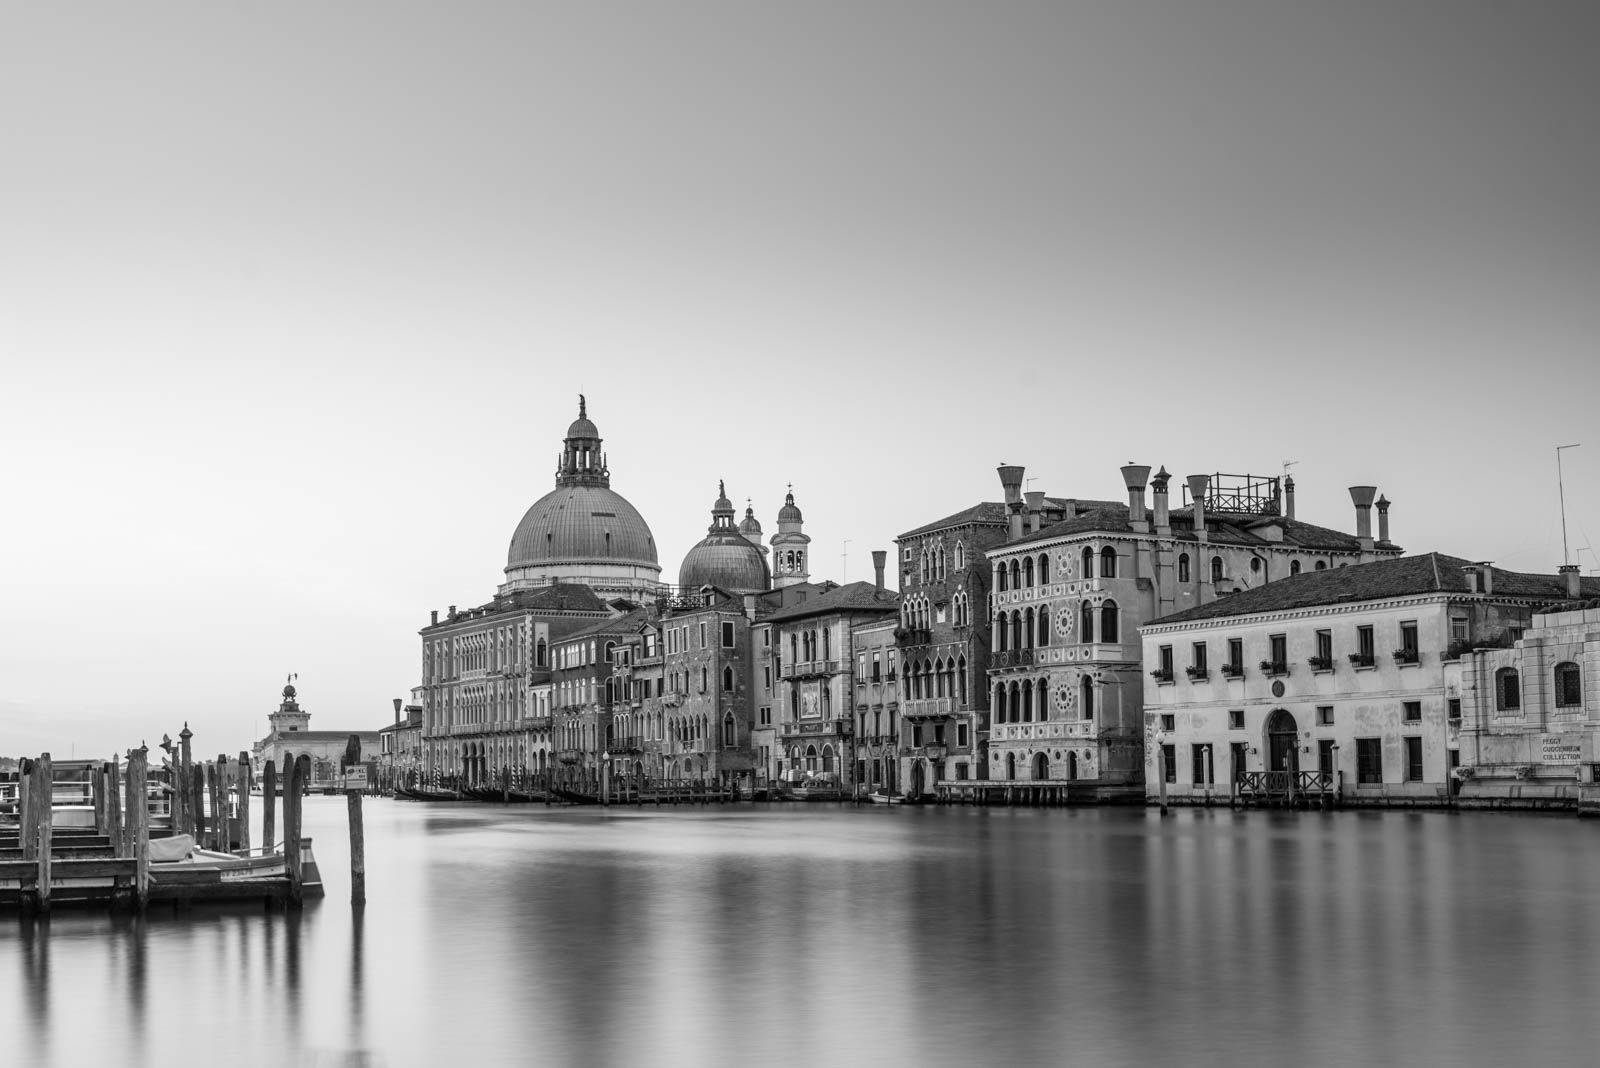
point(944, 640)
point(486, 671)
point(593, 721)
point(877, 705)
point(1530, 707)
point(708, 711)
point(400, 744)
point(289, 735)
point(1349, 681)
point(790, 546)
point(814, 700)
point(1066, 675)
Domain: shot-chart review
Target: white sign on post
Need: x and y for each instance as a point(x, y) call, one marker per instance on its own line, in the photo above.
point(355, 778)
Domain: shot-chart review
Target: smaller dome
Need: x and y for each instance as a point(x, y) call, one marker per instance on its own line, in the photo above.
point(288, 692)
point(581, 427)
point(723, 504)
point(789, 513)
point(727, 561)
point(749, 525)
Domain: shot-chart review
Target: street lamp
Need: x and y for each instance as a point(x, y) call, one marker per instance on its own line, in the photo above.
point(605, 777)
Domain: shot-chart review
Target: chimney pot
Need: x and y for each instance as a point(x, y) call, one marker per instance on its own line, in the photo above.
point(1362, 496)
point(1035, 507)
point(1574, 583)
point(397, 703)
point(1011, 481)
point(1158, 496)
point(1198, 485)
point(879, 559)
point(435, 622)
point(1288, 497)
point(1134, 476)
point(1383, 520)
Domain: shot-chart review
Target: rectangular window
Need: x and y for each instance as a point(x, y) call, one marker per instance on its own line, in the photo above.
point(1164, 668)
point(1369, 760)
point(1237, 752)
point(1199, 658)
point(1169, 722)
point(1236, 719)
point(877, 667)
point(938, 734)
point(1508, 690)
point(962, 738)
point(1169, 760)
point(1413, 759)
point(1236, 655)
point(1324, 715)
point(1200, 760)
point(727, 634)
point(1408, 638)
point(702, 634)
point(961, 771)
point(1453, 707)
point(1569, 686)
point(1364, 647)
point(1280, 654)
point(766, 677)
point(1413, 711)
point(1325, 756)
point(916, 734)
point(1458, 628)
point(1325, 647)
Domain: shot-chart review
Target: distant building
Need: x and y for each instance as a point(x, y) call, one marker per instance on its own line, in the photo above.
point(1351, 681)
point(1530, 711)
point(877, 705)
point(400, 745)
point(289, 736)
point(790, 546)
point(1066, 674)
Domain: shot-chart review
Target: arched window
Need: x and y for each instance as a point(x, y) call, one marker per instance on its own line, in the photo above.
point(1322, 565)
point(1000, 578)
point(1042, 699)
point(1027, 572)
point(1507, 690)
point(998, 702)
point(938, 681)
point(1044, 568)
point(1088, 562)
point(1027, 702)
point(1087, 699)
point(1016, 575)
point(704, 678)
point(1027, 628)
point(1183, 567)
point(827, 643)
point(1000, 632)
point(1294, 567)
point(961, 679)
point(540, 652)
point(1255, 565)
point(1086, 625)
point(961, 556)
point(1569, 686)
point(1216, 569)
point(1108, 622)
point(1108, 562)
point(1044, 627)
point(727, 679)
point(1014, 704)
point(611, 652)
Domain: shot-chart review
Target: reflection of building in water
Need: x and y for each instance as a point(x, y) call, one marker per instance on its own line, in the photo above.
point(290, 735)
point(1364, 681)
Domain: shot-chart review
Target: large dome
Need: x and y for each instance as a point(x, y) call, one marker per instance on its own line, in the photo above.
point(582, 525)
point(724, 557)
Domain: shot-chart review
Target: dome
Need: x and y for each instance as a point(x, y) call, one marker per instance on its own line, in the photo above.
point(750, 525)
point(727, 561)
point(581, 427)
point(789, 513)
point(582, 524)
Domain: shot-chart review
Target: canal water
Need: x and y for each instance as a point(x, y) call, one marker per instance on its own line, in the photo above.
point(822, 934)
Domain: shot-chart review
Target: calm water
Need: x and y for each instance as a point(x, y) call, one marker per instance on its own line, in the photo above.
point(831, 935)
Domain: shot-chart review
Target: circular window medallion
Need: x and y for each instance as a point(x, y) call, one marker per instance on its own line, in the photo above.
point(1277, 687)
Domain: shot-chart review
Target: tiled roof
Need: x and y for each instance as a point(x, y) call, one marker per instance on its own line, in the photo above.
point(1222, 528)
point(993, 513)
point(855, 597)
point(1405, 575)
point(617, 625)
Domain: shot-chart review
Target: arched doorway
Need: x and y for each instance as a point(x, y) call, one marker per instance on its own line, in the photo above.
point(1283, 742)
point(916, 778)
point(1072, 765)
point(1011, 766)
point(1041, 766)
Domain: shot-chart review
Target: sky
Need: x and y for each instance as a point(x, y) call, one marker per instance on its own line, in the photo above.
point(296, 301)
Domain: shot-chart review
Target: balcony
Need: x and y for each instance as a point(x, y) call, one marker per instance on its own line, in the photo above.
point(1274, 667)
point(1320, 663)
point(1405, 657)
point(930, 708)
point(932, 752)
point(629, 745)
point(536, 723)
point(913, 636)
point(570, 756)
point(1362, 660)
point(812, 667)
point(1197, 674)
point(1162, 676)
point(1233, 671)
point(1011, 658)
point(1069, 730)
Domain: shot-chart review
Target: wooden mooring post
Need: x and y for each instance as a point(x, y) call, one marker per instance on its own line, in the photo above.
point(358, 859)
point(44, 825)
point(292, 795)
point(269, 794)
point(241, 783)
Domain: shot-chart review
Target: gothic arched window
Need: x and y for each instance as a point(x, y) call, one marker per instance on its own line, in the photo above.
point(1108, 622)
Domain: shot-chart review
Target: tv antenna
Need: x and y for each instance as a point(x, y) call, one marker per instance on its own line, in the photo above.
point(1566, 556)
point(844, 563)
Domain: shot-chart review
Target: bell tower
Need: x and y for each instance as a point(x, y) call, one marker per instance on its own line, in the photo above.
point(289, 717)
point(790, 546)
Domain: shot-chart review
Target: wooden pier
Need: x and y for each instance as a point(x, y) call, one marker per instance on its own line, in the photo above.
point(82, 833)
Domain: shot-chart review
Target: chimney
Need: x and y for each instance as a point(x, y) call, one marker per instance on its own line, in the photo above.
point(879, 557)
point(1134, 477)
point(1482, 580)
point(1288, 497)
point(1011, 480)
point(397, 702)
point(1158, 494)
point(1383, 521)
point(1362, 496)
point(1197, 493)
point(1574, 586)
point(1035, 509)
point(435, 622)
point(452, 612)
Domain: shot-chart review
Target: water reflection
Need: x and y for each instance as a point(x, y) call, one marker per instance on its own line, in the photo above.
point(822, 934)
